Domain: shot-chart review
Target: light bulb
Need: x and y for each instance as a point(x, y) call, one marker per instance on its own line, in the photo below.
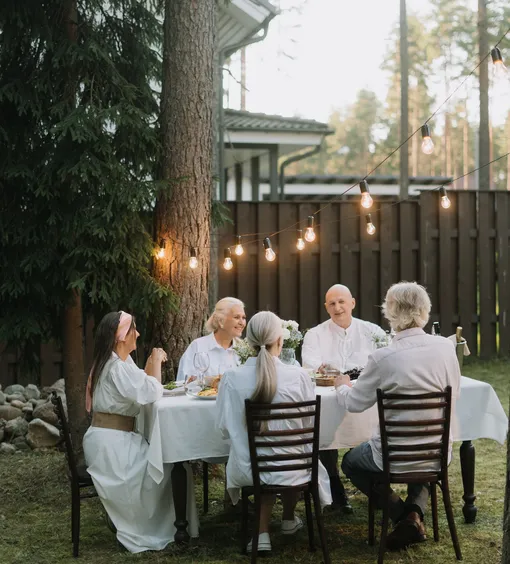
point(500, 71)
point(445, 202)
point(300, 245)
point(239, 248)
point(310, 234)
point(270, 254)
point(370, 225)
point(193, 261)
point(161, 253)
point(427, 145)
point(366, 200)
point(228, 264)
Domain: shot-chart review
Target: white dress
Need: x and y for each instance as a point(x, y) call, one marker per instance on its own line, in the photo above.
point(141, 510)
point(294, 385)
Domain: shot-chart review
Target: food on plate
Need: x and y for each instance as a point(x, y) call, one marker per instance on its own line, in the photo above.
point(170, 386)
point(354, 373)
point(208, 392)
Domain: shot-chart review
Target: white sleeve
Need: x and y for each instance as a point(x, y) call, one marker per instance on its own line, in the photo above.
point(133, 383)
point(186, 363)
point(310, 352)
point(363, 393)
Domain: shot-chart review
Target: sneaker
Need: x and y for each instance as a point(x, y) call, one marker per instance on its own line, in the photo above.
point(264, 543)
point(291, 527)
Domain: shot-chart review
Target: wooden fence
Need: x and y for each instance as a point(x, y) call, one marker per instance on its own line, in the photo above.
point(461, 255)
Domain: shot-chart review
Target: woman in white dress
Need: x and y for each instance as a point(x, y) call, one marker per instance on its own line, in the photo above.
point(141, 510)
point(225, 325)
point(265, 379)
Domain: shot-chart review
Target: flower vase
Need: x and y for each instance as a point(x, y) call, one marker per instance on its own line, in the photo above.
point(288, 356)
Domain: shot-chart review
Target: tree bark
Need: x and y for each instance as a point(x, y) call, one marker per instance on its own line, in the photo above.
point(183, 209)
point(484, 175)
point(74, 371)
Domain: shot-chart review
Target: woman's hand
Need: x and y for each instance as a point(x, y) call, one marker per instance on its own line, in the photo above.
point(158, 356)
point(343, 380)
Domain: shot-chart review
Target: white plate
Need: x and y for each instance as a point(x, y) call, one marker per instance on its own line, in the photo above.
point(175, 392)
point(196, 396)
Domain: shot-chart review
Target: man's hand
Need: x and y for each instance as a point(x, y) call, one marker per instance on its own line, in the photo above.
point(343, 380)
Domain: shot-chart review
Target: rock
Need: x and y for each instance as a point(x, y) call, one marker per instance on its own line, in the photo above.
point(28, 412)
point(14, 389)
point(21, 444)
point(6, 448)
point(59, 386)
point(32, 392)
point(8, 412)
point(46, 412)
point(42, 434)
point(18, 404)
point(3, 398)
point(16, 397)
point(16, 427)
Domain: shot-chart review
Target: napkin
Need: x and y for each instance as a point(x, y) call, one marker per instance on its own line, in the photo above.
point(453, 339)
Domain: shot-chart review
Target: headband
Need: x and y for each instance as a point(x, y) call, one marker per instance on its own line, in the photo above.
point(124, 325)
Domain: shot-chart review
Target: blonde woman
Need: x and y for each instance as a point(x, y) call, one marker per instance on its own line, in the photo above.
point(264, 379)
point(225, 325)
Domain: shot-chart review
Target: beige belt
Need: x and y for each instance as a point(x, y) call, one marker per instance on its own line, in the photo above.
point(113, 421)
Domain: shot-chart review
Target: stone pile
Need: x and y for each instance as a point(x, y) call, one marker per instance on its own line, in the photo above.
point(27, 417)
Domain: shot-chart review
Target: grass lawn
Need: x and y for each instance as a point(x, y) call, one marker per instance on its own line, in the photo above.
point(35, 514)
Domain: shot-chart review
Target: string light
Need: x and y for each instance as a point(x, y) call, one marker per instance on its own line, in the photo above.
point(427, 145)
point(366, 198)
point(270, 254)
point(300, 245)
point(370, 225)
point(227, 263)
point(500, 71)
point(445, 201)
point(239, 248)
point(310, 233)
point(193, 261)
point(161, 252)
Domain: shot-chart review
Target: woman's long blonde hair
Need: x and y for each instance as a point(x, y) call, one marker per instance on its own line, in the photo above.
point(264, 329)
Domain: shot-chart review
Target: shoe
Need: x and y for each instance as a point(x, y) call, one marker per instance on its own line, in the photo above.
point(410, 530)
point(264, 543)
point(343, 504)
point(290, 527)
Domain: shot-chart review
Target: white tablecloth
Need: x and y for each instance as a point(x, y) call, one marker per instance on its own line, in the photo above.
point(182, 428)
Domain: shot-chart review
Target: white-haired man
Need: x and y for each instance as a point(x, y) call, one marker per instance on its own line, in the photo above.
point(414, 363)
point(343, 342)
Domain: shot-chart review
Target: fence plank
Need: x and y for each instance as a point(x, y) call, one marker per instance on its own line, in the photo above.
point(368, 295)
point(309, 273)
point(487, 274)
point(386, 250)
point(429, 250)
point(267, 298)
point(503, 272)
point(329, 260)
point(246, 266)
point(447, 268)
point(288, 263)
point(349, 239)
point(467, 279)
point(407, 238)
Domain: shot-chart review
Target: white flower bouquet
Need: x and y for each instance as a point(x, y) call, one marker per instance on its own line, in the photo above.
point(381, 341)
point(292, 336)
point(243, 350)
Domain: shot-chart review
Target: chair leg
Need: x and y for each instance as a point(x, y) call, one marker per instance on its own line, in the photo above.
point(244, 521)
point(309, 521)
point(451, 521)
point(256, 528)
point(205, 472)
point(371, 517)
point(433, 502)
point(75, 520)
point(384, 527)
point(320, 525)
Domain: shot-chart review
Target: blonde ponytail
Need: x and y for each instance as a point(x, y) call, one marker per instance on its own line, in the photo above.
point(264, 329)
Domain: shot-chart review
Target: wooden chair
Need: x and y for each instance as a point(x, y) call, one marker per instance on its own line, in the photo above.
point(78, 480)
point(256, 414)
point(416, 453)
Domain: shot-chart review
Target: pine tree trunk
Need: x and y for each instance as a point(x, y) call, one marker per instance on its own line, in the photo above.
point(483, 140)
point(74, 371)
point(465, 152)
point(183, 212)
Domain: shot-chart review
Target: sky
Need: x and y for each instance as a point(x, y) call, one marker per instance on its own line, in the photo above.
point(337, 48)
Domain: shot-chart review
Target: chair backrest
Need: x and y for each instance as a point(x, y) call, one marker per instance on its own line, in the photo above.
point(260, 436)
point(398, 427)
point(66, 435)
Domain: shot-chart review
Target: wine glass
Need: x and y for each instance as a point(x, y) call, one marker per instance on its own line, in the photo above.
point(201, 363)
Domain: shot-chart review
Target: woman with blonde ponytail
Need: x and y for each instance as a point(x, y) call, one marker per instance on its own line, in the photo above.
point(265, 379)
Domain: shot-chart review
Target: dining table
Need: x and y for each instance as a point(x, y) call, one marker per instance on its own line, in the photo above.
point(180, 428)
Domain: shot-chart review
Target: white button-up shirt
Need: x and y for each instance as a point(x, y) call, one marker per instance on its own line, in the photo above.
point(342, 348)
point(219, 358)
point(414, 363)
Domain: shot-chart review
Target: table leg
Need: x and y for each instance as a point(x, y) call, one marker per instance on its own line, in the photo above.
point(467, 465)
point(180, 493)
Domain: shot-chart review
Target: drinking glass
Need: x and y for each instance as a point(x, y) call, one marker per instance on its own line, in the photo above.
point(201, 363)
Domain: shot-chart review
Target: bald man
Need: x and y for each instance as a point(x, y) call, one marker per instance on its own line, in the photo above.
point(342, 342)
